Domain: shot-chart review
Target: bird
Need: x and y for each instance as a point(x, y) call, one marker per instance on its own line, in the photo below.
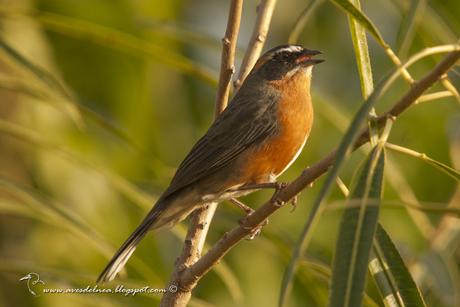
point(252, 142)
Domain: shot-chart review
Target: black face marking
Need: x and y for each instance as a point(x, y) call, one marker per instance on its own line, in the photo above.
point(277, 62)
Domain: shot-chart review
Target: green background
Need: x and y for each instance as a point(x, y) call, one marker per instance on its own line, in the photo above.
point(102, 184)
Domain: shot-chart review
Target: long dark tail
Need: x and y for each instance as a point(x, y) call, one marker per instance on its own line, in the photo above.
point(123, 254)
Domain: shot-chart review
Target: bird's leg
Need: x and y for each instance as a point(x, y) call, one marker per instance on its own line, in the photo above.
point(269, 185)
point(254, 232)
point(278, 202)
point(266, 185)
point(248, 210)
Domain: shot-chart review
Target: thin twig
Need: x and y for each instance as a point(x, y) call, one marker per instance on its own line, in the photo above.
point(201, 218)
point(434, 96)
point(191, 275)
point(405, 73)
point(259, 35)
point(227, 64)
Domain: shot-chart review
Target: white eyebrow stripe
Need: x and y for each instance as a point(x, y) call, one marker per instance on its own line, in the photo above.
point(292, 48)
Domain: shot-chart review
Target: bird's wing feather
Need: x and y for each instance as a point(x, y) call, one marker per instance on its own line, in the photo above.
point(245, 122)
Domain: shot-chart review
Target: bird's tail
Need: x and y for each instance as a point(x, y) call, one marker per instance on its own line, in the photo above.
point(123, 254)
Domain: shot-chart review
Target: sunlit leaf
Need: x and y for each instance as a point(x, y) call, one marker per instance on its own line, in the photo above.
point(408, 25)
point(453, 173)
point(125, 42)
point(129, 190)
point(391, 274)
point(361, 18)
point(302, 20)
point(356, 234)
point(343, 152)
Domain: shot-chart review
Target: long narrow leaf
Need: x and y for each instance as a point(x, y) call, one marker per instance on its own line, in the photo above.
point(46, 78)
point(125, 42)
point(342, 153)
point(453, 173)
point(42, 74)
point(301, 21)
point(55, 94)
point(392, 276)
point(440, 276)
point(119, 40)
point(136, 195)
point(408, 25)
point(358, 37)
point(56, 214)
point(356, 234)
point(352, 10)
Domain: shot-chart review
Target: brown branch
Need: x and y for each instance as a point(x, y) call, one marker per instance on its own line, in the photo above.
point(201, 218)
point(256, 43)
point(190, 276)
point(227, 66)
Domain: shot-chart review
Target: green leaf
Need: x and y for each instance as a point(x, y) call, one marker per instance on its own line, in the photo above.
point(361, 18)
point(440, 274)
point(433, 26)
point(408, 25)
point(184, 32)
point(343, 152)
point(301, 21)
point(46, 78)
point(42, 74)
point(356, 234)
point(453, 173)
point(391, 274)
point(124, 42)
point(55, 94)
point(121, 41)
point(358, 37)
point(136, 195)
point(322, 272)
point(54, 213)
point(444, 168)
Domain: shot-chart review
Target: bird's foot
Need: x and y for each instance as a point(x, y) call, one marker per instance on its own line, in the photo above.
point(254, 232)
point(277, 201)
point(294, 202)
point(265, 185)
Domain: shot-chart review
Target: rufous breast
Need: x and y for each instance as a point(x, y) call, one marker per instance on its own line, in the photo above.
point(295, 119)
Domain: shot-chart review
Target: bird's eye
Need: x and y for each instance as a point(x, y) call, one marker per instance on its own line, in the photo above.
point(283, 57)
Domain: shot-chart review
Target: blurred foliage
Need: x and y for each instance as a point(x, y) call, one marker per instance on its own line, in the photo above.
point(100, 100)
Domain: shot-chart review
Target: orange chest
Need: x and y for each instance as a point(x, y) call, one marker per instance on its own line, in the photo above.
point(295, 116)
point(295, 119)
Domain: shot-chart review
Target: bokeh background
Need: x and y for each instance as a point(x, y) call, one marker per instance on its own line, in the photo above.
point(100, 100)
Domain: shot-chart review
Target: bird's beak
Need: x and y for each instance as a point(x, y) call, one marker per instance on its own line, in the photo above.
point(305, 58)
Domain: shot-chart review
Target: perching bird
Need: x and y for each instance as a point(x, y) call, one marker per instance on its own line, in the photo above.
point(253, 141)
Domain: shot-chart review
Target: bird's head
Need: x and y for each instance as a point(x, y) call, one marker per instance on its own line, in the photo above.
point(284, 62)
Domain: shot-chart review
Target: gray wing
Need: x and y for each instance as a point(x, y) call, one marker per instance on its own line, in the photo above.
point(244, 122)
